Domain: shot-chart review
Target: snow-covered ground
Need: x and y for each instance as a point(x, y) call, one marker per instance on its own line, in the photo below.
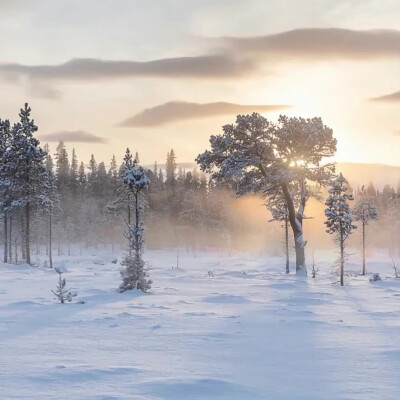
point(244, 331)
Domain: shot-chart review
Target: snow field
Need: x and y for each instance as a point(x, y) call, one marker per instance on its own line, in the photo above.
point(244, 331)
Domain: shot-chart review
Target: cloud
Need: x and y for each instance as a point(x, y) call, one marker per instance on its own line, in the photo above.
point(207, 66)
point(179, 110)
point(72, 136)
point(389, 98)
point(319, 43)
point(235, 57)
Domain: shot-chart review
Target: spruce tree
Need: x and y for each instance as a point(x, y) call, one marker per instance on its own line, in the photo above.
point(339, 220)
point(24, 167)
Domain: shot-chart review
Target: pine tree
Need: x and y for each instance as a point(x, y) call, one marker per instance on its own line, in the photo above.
point(91, 179)
point(339, 220)
point(82, 175)
point(135, 274)
point(51, 207)
point(364, 211)
point(73, 175)
point(62, 166)
point(62, 293)
point(25, 169)
point(259, 156)
point(113, 171)
point(171, 171)
point(5, 195)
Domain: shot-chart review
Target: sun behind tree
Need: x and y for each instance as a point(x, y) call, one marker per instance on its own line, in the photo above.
point(273, 159)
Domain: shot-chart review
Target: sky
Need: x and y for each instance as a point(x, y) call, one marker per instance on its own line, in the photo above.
point(104, 75)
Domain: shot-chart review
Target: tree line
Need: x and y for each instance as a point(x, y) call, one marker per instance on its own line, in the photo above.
point(57, 202)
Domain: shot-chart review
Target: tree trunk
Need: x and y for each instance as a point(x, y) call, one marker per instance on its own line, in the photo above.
point(50, 242)
point(300, 257)
point(5, 238)
point(296, 223)
point(22, 233)
point(16, 250)
point(137, 221)
point(341, 257)
point(10, 240)
point(363, 244)
point(287, 244)
point(27, 234)
point(129, 227)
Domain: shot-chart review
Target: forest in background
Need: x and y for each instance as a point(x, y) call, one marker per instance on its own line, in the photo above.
point(58, 198)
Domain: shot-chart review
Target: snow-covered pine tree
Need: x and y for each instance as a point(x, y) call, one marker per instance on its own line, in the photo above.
point(25, 169)
point(263, 157)
point(73, 176)
point(91, 179)
point(62, 293)
point(364, 210)
point(135, 274)
point(62, 166)
point(170, 168)
point(50, 204)
point(339, 220)
point(5, 136)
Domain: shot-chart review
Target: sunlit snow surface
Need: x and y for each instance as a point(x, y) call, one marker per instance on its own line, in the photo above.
point(245, 331)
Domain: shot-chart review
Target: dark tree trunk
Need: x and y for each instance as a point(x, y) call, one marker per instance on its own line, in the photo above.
point(27, 234)
point(287, 244)
point(363, 246)
point(341, 257)
point(10, 240)
point(16, 250)
point(23, 237)
point(50, 242)
point(129, 227)
point(5, 238)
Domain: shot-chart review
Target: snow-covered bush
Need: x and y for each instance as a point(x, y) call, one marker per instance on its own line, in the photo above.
point(375, 277)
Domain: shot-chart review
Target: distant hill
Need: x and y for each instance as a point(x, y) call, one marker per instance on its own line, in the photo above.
point(356, 174)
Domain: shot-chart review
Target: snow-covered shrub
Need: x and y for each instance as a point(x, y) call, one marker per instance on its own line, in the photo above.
point(375, 277)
